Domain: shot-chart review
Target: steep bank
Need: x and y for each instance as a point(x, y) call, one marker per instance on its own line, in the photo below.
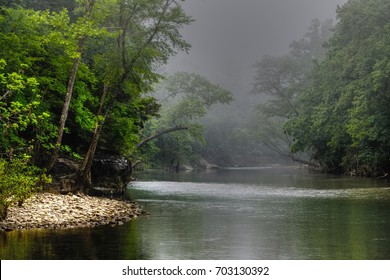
point(55, 211)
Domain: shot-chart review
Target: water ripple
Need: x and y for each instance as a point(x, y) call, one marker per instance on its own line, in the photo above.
point(254, 192)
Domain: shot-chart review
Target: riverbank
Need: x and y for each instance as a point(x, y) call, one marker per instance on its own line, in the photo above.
point(56, 211)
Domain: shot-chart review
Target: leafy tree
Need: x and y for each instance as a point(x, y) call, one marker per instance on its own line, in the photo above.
point(40, 43)
point(283, 79)
point(77, 34)
point(149, 35)
point(186, 99)
point(93, 69)
point(21, 121)
point(24, 119)
point(344, 116)
point(20, 124)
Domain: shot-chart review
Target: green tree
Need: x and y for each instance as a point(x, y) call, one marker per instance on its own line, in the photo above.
point(77, 34)
point(186, 99)
point(344, 115)
point(149, 35)
point(21, 122)
point(41, 45)
point(94, 68)
point(283, 79)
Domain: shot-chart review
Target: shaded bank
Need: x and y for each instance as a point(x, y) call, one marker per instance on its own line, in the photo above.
point(110, 175)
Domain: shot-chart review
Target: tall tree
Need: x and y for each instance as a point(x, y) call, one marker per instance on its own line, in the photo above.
point(149, 36)
point(79, 31)
point(283, 79)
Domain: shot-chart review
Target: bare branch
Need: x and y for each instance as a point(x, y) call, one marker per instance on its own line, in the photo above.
point(5, 94)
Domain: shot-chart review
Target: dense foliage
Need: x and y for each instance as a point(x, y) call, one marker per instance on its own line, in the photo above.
point(75, 78)
point(343, 116)
point(18, 180)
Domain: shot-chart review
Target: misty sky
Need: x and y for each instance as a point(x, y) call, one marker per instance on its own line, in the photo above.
point(228, 36)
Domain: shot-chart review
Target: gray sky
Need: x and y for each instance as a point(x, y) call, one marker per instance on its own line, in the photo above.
point(228, 36)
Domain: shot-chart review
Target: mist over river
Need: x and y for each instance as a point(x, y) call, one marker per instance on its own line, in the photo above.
point(247, 213)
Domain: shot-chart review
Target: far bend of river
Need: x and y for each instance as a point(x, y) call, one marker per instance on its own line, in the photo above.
point(248, 213)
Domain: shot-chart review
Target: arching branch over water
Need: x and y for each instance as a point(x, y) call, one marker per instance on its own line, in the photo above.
point(160, 133)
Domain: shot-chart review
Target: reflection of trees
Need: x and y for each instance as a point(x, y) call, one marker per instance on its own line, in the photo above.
point(23, 245)
point(334, 220)
point(341, 229)
point(78, 244)
point(178, 238)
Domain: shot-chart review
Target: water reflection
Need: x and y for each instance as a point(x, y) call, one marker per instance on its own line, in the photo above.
point(231, 214)
point(80, 244)
point(296, 215)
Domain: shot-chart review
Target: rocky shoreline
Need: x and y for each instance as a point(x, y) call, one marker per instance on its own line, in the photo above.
point(56, 211)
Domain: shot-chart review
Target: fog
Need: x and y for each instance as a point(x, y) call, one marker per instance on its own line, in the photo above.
point(228, 36)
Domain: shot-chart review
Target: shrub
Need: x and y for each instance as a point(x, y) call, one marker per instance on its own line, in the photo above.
point(18, 180)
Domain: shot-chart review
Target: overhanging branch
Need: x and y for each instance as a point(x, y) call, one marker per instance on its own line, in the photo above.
point(160, 133)
point(291, 156)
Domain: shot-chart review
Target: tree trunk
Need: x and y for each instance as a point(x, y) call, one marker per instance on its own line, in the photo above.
point(65, 108)
point(83, 178)
point(89, 7)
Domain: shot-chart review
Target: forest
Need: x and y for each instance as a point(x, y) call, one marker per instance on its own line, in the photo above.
point(330, 95)
point(81, 78)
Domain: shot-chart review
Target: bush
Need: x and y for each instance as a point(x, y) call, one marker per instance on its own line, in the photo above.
point(18, 180)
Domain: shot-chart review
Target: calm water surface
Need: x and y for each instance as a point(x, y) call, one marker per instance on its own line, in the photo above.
point(253, 213)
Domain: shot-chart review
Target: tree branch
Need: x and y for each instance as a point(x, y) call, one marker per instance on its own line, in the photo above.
point(160, 133)
point(291, 156)
point(5, 94)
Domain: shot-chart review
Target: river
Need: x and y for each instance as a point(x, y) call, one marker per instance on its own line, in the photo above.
point(238, 213)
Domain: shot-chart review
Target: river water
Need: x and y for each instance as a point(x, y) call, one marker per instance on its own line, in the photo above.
point(248, 213)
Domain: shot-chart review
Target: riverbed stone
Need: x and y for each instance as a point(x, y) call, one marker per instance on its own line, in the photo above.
point(56, 211)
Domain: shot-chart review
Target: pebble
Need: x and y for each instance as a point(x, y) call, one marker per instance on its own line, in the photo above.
point(56, 211)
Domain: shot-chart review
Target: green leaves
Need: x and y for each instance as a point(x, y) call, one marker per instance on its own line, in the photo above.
point(18, 180)
point(197, 88)
point(186, 99)
point(118, 46)
point(18, 109)
point(191, 95)
point(344, 116)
